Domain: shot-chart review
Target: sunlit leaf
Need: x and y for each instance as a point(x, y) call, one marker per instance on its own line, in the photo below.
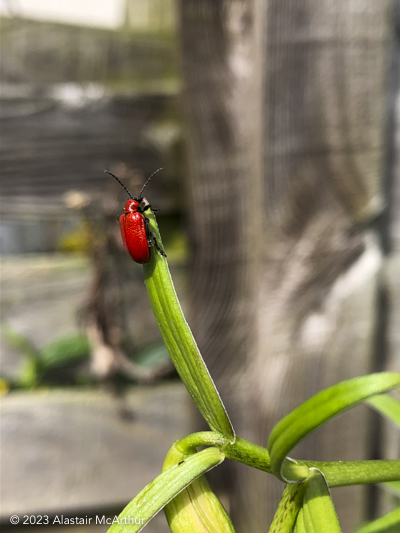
point(319, 409)
point(288, 508)
point(180, 342)
point(389, 523)
point(162, 489)
point(319, 515)
point(387, 406)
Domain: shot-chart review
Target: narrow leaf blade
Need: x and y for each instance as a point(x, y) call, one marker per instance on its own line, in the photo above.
point(163, 488)
point(288, 508)
point(389, 523)
point(387, 406)
point(299, 524)
point(320, 408)
point(392, 487)
point(319, 513)
point(180, 342)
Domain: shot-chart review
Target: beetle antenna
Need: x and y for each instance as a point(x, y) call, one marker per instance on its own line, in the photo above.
point(145, 185)
point(120, 182)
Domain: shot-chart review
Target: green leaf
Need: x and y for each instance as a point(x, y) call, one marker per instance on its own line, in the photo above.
point(299, 526)
point(393, 487)
point(196, 508)
point(319, 409)
point(152, 356)
point(19, 342)
point(29, 373)
point(288, 508)
point(389, 523)
point(162, 489)
point(319, 515)
point(180, 342)
point(387, 406)
point(65, 350)
point(29, 370)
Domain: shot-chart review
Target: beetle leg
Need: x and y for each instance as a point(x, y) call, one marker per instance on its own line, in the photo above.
point(154, 209)
point(149, 241)
point(152, 236)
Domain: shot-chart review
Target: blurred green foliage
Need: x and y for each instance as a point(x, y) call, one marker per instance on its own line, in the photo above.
point(65, 361)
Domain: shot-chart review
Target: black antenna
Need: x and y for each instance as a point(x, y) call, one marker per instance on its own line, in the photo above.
point(145, 185)
point(120, 182)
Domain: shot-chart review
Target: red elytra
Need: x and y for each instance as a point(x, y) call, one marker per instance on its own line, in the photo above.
point(134, 232)
point(134, 224)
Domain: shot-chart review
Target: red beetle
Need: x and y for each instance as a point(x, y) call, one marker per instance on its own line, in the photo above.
point(134, 224)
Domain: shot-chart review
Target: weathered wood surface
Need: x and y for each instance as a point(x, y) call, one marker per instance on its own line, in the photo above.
point(392, 268)
point(82, 451)
point(285, 103)
point(390, 293)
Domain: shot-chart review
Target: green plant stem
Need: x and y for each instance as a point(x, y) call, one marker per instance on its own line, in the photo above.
point(343, 473)
point(337, 473)
point(201, 438)
point(248, 453)
point(241, 450)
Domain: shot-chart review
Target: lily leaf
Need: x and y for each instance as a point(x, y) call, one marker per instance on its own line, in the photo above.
point(318, 513)
point(389, 523)
point(288, 508)
point(161, 490)
point(180, 342)
point(387, 406)
point(319, 409)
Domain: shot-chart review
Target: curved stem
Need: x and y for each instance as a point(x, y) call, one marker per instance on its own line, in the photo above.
point(343, 473)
